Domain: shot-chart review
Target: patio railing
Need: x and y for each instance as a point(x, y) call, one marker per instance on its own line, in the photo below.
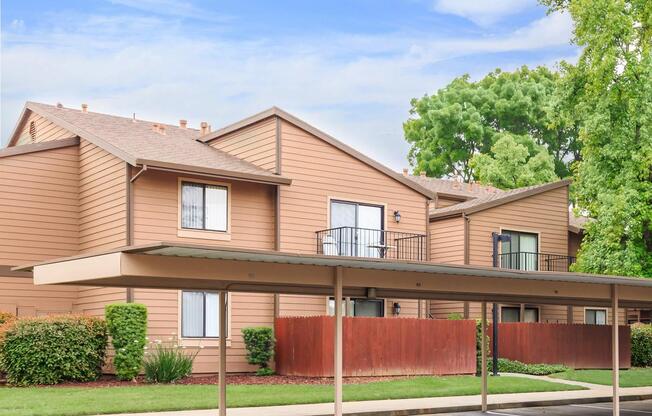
point(522, 260)
point(366, 242)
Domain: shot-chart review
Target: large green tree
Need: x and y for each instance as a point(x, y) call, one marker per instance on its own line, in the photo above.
point(609, 91)
point(465, 118)
point(514, 162)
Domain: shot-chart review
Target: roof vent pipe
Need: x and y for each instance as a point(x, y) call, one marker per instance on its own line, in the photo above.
point(422, 173)
point(183, 124)
point(204, 128)
point(405, 172)
point(84, 108)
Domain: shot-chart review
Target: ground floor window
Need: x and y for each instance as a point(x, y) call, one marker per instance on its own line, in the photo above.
point(199, 314)
point(513, 314)
point(360, 307)
point(595, 316)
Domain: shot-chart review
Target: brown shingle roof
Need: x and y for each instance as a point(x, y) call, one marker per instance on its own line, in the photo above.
point(576, 224)
point(489, 201)
point(137, 143)
point(454, 188)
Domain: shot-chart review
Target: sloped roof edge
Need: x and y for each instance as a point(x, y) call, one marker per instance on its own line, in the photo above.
point(501, 200)
point(277, 112)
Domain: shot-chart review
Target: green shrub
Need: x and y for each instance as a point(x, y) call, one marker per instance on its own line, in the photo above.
point(48, 350)
point(455, 316)
point(167, 361)
point(642, 345)
point(511, 366)
point(478, 345)
point(260, 343)
point(127, 324)
point(6, 317)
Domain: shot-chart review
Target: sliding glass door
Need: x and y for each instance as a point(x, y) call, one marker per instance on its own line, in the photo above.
point(357, 228)
point(522, 252)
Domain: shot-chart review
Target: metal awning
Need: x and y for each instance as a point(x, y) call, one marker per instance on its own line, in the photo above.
point(174, 265)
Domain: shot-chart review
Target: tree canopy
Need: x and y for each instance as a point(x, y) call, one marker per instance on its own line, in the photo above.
point(465, 118)
point(514, 162)
point(609, 91)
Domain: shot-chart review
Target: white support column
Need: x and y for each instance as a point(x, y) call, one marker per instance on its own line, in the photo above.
point(615, 350)
point(338, 341)
point(483, 349)
point(223, 335)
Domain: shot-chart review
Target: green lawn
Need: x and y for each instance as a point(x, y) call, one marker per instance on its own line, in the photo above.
point(71, 401)
point(636, 377)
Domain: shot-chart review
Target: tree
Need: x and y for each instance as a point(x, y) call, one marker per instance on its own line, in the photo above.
point(609, 91)
point(514, 162)
point(447, 129)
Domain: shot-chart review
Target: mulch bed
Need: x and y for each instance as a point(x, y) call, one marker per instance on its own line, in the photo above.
point(111, 381)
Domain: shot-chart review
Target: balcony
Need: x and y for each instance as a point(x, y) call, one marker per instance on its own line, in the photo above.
point(365, 242)
point(535, 261)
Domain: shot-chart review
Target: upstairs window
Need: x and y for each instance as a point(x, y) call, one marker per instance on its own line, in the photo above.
point(204, 206)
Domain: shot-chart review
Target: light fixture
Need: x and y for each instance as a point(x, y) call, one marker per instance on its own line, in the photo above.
point(397, 308)
point(397, 216)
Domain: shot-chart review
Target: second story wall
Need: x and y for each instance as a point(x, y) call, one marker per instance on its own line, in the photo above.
point(39, 215)
point(544, 214)
point(156, 212)
point(37, 129)
point(255, 143)
point(321, 172)
point(447, 240)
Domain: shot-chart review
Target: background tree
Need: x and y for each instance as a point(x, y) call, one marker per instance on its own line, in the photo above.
point(609, 91)
point(465, 118)
point(514, 162)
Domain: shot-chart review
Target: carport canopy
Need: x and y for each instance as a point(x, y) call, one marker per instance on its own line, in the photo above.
point(173, 265)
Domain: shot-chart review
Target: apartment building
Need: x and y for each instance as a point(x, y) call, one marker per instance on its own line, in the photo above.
point(75, 181)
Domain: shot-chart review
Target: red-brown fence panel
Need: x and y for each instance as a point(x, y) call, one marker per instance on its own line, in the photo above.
point(577, 346)
point(375, 346)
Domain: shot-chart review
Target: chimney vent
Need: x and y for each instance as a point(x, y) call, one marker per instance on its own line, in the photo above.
point(155, 127)
point(405, 172)
point(59, 105)
point(204, 128)
point(84, 108)
point(183, 124)
point(422, 173)
point(161, 129)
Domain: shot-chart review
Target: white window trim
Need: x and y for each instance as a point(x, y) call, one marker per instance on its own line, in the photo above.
point(204, 234)
point(213, 342)
point(330, 199)
point(589, 308)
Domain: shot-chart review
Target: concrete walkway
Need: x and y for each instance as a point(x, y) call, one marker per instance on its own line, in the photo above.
point(590, 386)
point(426, 406)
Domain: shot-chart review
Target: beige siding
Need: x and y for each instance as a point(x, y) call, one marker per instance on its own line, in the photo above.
point(447, 240)
point(441, 309)
point(156, 205)
point(545, 213)
point(18, 295)
point(246, 309)
point(302, 305)
point(102, 199)
point(38, 209)
point(44, 130)
point(255, 144)
point(443, 202)
point(320, 171)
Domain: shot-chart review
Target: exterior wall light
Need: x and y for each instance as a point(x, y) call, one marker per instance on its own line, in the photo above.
point(397, 216)
point(397, 308)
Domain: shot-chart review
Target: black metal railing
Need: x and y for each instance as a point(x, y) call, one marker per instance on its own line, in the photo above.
point(366, 242)
point(522, 260)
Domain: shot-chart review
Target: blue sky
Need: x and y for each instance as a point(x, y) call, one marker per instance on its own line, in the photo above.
point(348, 67)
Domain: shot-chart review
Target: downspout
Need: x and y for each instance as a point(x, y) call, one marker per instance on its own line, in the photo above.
point(130, 215)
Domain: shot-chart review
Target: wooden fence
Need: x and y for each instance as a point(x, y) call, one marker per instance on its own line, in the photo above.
point(375, 346)
point(577, 346)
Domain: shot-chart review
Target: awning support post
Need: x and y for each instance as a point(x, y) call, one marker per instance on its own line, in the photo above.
point(338, 341)
point(615, 350)
point(222, 352)
point(483, 349)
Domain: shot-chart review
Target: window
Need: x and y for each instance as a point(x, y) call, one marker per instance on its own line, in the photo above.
point(521, 253)
point(360, 307)
point(199, 314)
point(204, 206)
point(513, 314)
point(595, 316)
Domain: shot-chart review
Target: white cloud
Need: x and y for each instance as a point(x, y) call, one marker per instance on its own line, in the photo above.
point(483, 12)
point(356, 87)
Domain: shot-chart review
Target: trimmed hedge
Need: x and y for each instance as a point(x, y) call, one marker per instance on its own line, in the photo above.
point(642, 345)
point(260, 342)
point(127, 324)
point(6, 317)
point(511, 366)
point(49, 350)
